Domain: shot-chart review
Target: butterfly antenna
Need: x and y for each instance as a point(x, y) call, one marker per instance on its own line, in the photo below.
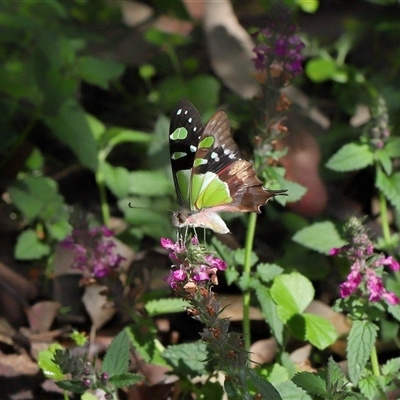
point(150, 208)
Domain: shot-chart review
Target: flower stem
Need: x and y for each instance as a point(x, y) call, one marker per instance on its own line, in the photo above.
point(376, 371)
point(105, 210)
point(384, 217)
point(251, 228)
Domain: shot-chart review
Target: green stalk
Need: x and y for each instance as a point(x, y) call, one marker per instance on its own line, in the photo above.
point(384, 217)
point(251, 228)
point(105, 209)
point(376, 371)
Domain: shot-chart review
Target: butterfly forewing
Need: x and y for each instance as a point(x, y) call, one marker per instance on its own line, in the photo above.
point(184, 134)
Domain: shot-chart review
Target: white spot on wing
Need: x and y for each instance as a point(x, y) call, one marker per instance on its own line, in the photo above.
point(231, 156)
point(214, 156)
point(190, 120)
point(193, 148)
point(179, 111)
point(195, 129)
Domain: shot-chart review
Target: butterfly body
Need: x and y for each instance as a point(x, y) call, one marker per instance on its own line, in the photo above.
point(208, 173)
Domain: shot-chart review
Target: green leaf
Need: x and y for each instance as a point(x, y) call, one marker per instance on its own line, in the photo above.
point(321, 237)
point(143, 335)
point(312, 383)
point(321, 69)
point(33, 195)
point(270, 312)
point(72, 128)
point(394, 311)
point(164, 306)
point(149, 183)
point(267, 272)
point(289, 391)
point(361, 339)
point(72, 386)
point(125, 380)
point(35, 160)
point(390, 187)
point(116, 359)
point(116, 136)
point(335, 377)
point(351, 157)
point(239, 257)
point(96, 126)
point(392, 367)
point(97, 71)
point(88, 396)
point(47, 365)
point(384, 158)
point(309, 6)
point(203, 91)
point(368, 387)
point(319, 332)
point(187, 359)
point(116, 178)
point(262, 386)
point(392, 147)
point(29, 247)
point(295, 192)
point(292, 293)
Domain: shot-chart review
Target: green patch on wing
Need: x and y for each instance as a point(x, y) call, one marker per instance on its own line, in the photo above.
point(179, 134)
point(208, 190)
point(183, 179)
point(206, 142)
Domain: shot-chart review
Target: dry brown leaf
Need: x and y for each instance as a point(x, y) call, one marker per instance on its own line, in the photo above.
point(41, 315)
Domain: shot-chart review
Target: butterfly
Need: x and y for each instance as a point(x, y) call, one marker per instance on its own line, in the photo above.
point(208, 173)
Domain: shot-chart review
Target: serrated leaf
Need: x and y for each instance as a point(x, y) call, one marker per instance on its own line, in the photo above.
point(30, 247)
point(335, 377)
point(125, 380)
point(187, 359)
point(292, 293)
point(163, 306)
point(368, 387)
point(71, 127)
point(267, 272)
point(361, 339)
point(289, 391)
point(384, 158)
point(319, 332)
point(355, 396)
point(391, 367)
point(351, 157)
point(321, 237)
point(116, 359)
point(269, 310)
point(390, 187)
point(311, 383)
point(240, 254)
point(97, 71)
point(149, 183)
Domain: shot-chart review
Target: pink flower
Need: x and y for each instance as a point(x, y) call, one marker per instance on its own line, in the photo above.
point(391, 298)
point(374, 286)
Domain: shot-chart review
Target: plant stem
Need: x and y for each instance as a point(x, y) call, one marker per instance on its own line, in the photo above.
point(384, 217)
point(105, 209)
point(376, 371)
point(251, 228)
